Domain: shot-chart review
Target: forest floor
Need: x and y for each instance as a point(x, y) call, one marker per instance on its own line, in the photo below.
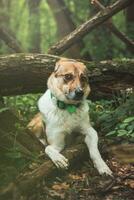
point(84, 183)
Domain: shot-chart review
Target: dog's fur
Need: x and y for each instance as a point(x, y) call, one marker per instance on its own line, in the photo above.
point(68, 76)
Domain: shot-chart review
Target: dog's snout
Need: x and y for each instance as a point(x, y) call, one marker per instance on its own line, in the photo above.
point(79, 92)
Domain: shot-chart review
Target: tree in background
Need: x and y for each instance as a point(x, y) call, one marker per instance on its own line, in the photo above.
point(102, 41)
point(130, 21)
point(34, 26)
point(65, 25)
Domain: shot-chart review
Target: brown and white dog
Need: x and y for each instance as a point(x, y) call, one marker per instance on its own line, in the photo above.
point(64, 109)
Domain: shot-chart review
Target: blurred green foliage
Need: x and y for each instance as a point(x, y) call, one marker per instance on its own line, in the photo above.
point(124, 128)
point(26, 105)
point(100, 43)
point(114, 117)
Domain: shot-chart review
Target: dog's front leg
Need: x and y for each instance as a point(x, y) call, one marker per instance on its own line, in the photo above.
point(91, 140)
point(56, 145)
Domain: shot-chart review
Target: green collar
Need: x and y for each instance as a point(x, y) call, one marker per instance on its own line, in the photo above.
point(71, 108)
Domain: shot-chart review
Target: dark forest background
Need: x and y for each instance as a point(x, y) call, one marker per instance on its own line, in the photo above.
point(35, 25)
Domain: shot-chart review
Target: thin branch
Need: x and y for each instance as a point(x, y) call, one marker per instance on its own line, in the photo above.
point(129, 43)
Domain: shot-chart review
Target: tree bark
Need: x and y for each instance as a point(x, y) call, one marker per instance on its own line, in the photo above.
point(25, 184)
point(28, 73)
point(65, 25)
point(88, 26)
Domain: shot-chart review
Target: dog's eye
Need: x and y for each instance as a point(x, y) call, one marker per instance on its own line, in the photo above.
point(83, 78)
point(68, 77)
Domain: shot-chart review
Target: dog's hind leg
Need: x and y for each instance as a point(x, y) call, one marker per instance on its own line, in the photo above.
point(56, 145)
point(37, 127)
point(91, 140)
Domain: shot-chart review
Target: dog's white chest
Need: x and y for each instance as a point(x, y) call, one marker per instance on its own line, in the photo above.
point(60, 118)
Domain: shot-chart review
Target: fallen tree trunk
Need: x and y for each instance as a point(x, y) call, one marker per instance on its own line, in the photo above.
point(88, 26)
point(25, 183)
point(28, 73)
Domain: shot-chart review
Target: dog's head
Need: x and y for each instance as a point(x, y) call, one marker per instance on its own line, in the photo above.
point(69, 81)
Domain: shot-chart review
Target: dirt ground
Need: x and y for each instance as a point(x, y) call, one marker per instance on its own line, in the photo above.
point(84, 183)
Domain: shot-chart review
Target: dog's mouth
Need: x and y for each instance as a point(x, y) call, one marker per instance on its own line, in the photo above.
point(75, 95)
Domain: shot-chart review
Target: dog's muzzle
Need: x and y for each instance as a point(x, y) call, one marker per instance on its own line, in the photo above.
point(77, 94)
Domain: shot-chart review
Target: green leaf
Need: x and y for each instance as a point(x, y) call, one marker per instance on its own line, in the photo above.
point(131, 127)
point(130, 131)
point(132, 135)
point(3, 109)
point(111, 133)
point(121, 132)
point(123, 125)
point(129, 119)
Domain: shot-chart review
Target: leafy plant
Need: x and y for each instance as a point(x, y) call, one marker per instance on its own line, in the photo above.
point(124, 129)
point(26, 105)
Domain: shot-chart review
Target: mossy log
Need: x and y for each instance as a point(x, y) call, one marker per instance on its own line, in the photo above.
point(28, 73)
point(123, 152)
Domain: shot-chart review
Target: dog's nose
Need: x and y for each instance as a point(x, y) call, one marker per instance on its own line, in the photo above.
point(79, 92)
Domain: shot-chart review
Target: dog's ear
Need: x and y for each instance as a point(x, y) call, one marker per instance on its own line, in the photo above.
point(57, 68)
point(85, 70)
point(59, 63)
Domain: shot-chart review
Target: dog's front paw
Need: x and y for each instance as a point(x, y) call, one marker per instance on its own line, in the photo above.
point(104, 169)
point(60, 161)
